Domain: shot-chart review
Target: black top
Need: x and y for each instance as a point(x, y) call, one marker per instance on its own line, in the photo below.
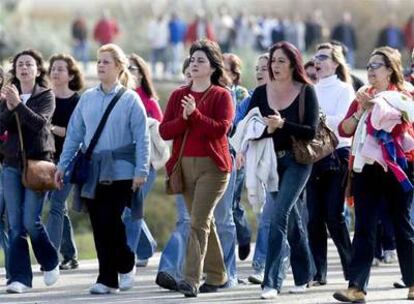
point(61, 117)
point(282, 137)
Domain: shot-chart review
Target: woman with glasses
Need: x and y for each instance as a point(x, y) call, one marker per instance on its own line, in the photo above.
point(27, 95)
point(67, 80)
point(372, 180)
point(278, 102)
point(139, 236)
point(325, 189)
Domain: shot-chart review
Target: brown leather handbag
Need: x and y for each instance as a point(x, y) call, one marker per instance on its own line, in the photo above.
point(325, 142)
point(37, 175)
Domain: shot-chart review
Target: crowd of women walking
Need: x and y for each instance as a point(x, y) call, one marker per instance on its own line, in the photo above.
point(224, 138)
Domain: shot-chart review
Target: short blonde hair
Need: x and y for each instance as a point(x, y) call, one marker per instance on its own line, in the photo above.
point(121, 61)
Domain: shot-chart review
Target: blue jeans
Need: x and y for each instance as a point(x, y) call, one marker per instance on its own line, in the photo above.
point(24, 208)
point(59, 226)
point(81, 52)
point(139, 237)
point(4, 238)
point(173, 255)
point(243, 230)
point(226, 229)
point(264, 219)
point(286, 226)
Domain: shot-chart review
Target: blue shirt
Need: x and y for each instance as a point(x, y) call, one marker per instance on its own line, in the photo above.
point(177, 30)
point(126, 124)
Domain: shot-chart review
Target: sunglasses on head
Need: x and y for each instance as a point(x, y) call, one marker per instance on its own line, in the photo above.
point(321, 57)
point(133, 68)
point(374, 65)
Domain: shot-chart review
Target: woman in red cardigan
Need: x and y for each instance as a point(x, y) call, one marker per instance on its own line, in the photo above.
point(199, 116)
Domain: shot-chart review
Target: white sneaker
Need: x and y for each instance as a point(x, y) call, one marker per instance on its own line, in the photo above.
point(141, 263)
point(298, 289)
point(256, 278)
point(269, 293)
point(390, 256)
point(126, 280)
point(17, 287)
point(376, 262)
point(51, 277)
point(99, 288)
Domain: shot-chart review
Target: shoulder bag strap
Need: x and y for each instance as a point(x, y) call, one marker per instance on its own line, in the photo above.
point(19, 129)
point(187, 131)
point(102, 123)
point(302, 103)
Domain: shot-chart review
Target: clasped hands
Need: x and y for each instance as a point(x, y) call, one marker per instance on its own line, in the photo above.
point(10, 95)
point(189, 105)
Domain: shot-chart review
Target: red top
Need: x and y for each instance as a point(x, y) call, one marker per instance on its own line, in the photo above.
point(191, 34)
point(208, 125)
point(151, 105)
point(106, 31)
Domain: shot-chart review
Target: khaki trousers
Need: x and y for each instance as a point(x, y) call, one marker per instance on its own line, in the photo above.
point(204, 186)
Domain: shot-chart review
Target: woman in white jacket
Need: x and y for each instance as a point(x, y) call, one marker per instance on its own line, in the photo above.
point(325, 189)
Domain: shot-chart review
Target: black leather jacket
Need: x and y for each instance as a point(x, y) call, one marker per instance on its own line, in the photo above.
point(35, 117)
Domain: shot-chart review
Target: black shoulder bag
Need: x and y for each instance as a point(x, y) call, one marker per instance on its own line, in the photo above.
point(77, 171)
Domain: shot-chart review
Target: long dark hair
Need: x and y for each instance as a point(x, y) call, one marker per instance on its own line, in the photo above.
point(295, 58)
point(144, 70)
point(77, 83)
point(40, 80)
point(215, 57)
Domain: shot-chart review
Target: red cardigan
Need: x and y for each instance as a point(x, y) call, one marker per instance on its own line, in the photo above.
point(214, 116)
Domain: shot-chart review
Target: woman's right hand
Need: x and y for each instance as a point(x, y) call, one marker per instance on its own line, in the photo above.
point(240, 161)
point(364, 100)
point(59, 179)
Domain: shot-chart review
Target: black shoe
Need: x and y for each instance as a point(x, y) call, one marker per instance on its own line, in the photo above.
point(69, 264)
point(206, 288)
point(244, 251)
point(186, 289)
point(165, 280)
point(399, 284)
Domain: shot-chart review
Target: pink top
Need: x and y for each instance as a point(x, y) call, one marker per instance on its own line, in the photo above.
point(151, 105)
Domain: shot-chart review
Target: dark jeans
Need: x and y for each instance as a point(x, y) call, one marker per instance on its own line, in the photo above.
point(105, 211)
point(244, 233)
point(369, 187)
point(385, 232)
point(286, 226)
point(325, 200)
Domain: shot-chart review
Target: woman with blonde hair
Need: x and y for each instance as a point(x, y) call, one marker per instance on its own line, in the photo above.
point(325, 188)
point(372, 180)
point(119, 164)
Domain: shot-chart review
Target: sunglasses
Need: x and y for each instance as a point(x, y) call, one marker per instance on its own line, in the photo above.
point(133, 68)
point(321, 57)
point(374, 65)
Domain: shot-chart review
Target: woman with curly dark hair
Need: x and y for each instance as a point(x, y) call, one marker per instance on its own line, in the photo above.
point(199, 116)
point(27, 94)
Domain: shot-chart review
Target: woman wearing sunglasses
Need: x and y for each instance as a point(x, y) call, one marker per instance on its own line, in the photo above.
point(371, 182)
point(325, 190)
